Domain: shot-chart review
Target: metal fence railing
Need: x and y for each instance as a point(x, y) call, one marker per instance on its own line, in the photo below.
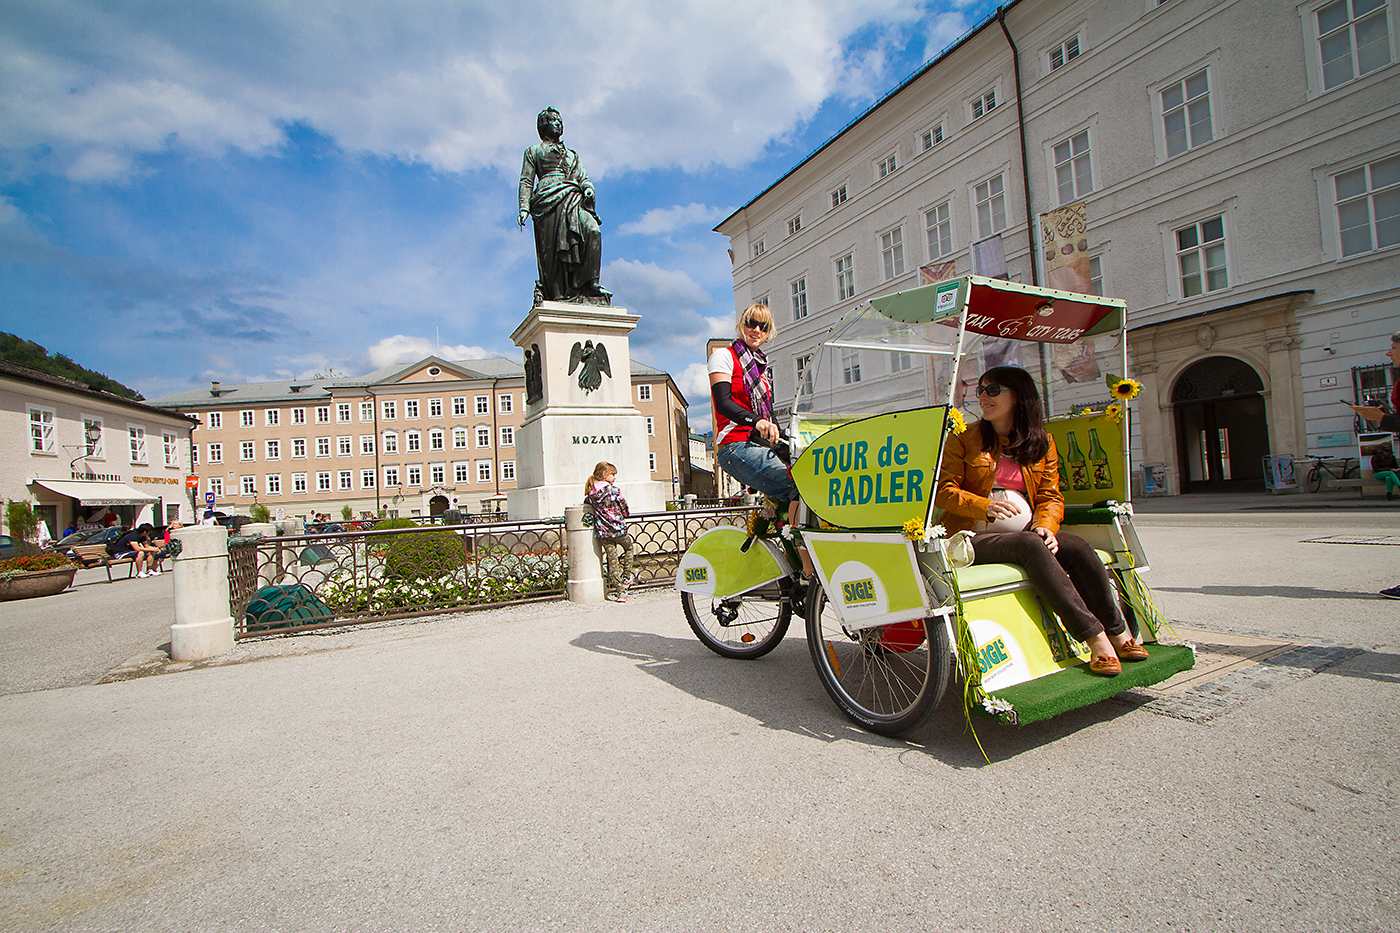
point(660, 538)
point(301, 582)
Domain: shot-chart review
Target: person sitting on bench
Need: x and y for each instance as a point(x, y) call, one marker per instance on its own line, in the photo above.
point(1003, 471)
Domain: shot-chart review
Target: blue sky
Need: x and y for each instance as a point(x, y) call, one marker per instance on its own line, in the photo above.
point(255, 190)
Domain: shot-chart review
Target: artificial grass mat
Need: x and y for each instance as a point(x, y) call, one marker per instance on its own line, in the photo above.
point(1076, 686)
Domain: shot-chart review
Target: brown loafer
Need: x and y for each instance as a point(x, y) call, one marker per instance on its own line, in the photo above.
point(1132, 652)
point(1106, 665)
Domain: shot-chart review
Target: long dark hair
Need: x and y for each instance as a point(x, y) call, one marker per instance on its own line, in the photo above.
point(1028, 442)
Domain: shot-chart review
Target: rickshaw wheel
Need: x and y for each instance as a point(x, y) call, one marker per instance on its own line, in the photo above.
point(744, 627)
point(883, 683)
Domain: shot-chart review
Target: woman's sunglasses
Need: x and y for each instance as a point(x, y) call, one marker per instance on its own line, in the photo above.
point(991, 391)
point(756, 324)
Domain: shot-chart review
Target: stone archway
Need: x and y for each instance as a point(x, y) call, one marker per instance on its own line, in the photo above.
point(437, 505)
point(1222, 428)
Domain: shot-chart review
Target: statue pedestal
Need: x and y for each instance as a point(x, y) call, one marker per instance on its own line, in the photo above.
point(568, 428)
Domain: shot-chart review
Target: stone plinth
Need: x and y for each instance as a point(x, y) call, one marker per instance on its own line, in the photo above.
point(203, 626)
point(569, 429)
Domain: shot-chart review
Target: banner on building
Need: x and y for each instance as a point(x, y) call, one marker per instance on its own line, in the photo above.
point(936, 272)
point(1064, 238)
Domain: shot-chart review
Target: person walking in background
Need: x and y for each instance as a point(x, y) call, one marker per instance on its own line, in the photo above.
point(610, 513)
point(1386, 421)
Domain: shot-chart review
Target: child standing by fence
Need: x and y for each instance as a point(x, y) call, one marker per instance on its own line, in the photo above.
point(610, 513)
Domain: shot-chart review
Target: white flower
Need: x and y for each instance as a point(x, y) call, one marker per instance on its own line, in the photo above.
point(938, 531)
point(995, 705)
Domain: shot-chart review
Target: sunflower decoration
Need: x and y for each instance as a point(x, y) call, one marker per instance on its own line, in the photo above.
point(1123, 389)
point(751, 523)
point(957, 421)
point(1114, 413)
point(914, 529)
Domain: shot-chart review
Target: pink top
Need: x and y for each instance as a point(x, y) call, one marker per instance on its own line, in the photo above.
point(1009, 475)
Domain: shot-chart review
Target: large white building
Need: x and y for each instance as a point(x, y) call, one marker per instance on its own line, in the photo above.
point(1240, 165)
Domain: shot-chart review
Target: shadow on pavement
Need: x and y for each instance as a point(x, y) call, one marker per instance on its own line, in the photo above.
point(1287, 592)
point(781, 691)
point(1364, 665)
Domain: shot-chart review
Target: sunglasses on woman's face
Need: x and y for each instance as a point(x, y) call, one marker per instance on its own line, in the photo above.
point(991, 391)
point(756, 324)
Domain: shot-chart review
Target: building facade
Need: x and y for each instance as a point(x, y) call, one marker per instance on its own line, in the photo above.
point(407, 440)
point(84, 458)
point(1239, 163)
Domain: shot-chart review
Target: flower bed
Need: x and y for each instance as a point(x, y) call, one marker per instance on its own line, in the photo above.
point(493, 578)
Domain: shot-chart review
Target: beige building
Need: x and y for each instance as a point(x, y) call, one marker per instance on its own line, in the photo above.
point(1240, 165)
point(81, 455)
point(408, 440)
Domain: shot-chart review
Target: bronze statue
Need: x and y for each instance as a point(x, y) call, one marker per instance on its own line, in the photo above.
point(534, 379)
point(568, 235)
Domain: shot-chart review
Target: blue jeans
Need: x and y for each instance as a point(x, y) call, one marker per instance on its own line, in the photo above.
point(758, 468)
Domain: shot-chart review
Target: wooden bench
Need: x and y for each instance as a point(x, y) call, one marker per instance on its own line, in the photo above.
point(1364, 487)
point(95, 555)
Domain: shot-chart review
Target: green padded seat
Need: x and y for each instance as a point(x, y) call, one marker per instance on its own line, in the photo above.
point(987, 576)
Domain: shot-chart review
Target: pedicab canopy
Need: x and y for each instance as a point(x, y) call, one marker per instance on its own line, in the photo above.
point(998, 308)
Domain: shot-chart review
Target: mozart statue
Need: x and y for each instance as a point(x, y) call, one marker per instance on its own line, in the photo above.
point(556, 192)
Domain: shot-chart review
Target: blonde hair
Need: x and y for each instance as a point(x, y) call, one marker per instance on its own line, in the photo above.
point(602, 469)
point(760, 312)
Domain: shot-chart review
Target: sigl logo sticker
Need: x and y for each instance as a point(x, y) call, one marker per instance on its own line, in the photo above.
point(697, 575)
point(858, 592)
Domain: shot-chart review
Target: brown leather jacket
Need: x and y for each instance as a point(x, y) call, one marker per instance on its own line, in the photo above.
point(968, 473)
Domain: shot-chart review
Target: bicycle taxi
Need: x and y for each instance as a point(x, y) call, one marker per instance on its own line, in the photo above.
point(896, 610)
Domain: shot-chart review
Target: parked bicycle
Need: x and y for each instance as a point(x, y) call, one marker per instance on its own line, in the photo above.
point(1335, 467)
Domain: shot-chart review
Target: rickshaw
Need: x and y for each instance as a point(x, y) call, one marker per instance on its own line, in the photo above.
point(895, 610)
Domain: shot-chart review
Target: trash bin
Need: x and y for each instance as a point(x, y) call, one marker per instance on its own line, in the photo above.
point(452, 517)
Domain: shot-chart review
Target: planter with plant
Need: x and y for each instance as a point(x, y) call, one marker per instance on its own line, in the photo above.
point(37, 574)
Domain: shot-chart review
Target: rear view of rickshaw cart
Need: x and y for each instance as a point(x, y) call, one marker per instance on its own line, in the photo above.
point(896, 610)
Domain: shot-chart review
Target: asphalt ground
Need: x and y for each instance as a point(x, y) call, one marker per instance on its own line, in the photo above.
point(562, 767)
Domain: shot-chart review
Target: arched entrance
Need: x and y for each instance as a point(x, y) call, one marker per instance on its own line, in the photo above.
point(437, 505)
point(1222, 430)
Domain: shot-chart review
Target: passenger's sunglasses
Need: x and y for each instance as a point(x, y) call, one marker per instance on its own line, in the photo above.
point(756, 324)
point(991, 391)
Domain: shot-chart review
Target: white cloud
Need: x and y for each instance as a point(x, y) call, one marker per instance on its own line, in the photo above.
point(403, 349)
point(645, 286)
point(694, 383)
point(449, 84)
point(660, 220)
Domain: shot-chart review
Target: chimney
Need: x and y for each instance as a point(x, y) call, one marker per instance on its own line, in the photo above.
point(214, 389)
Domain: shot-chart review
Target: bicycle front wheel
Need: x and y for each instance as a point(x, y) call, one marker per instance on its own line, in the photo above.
point(887, 678)
point(744, 627)
point(1314, 480)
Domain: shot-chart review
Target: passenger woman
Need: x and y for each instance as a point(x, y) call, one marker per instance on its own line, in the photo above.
point(1003, 471)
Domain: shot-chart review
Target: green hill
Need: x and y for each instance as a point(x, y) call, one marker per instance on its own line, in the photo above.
point(28, 353)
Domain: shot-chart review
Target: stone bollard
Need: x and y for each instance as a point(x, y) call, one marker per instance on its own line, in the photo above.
point(585, 559)
point(688, 500)
point(203, 626)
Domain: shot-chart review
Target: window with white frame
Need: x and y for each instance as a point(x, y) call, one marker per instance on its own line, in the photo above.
point(483, 404)
point(850, 366)
point(298, 448)
point(505, 403)
point(323, 414)
point(846, 277)
point(272, 484)
point(483, 471)
point(194, 455)
point(216, 453)
point(342, 413)
point(247, 485)
point(984, 103)
point(298, 416)
point(1201, 257)
point(136, 437)
point(415, 475)
point(1074, 173)
point(798, 293)
point(762, 300)
point(1064, 53)
point(389, 408)
point(938, 227)
point(436, 439)
point(346, 479)
point(651, 461)
point(391, 442)
point(412, 441)
point(1368, 206)
point(507, 436)
point(245, 419)
point(344, 446)
point(272, 417)
point(483, 436)
point(323, 446)
point(508, 471)
point(838, 197)
point(366, 445)
point(932, 137)
point(245, 451)
point(1353, 38)
point(41, 430)
point(901, 362)
point(273, 450)
point(989, 200)
point(366, 411)
point(169, 443)
point(410, 409)
point(461, 472)
point(803, 373)
point(644, 393)
point(1186, 121)
point(366, 479)
point(434, 408)
point(651, 427)
point(391, 476)
point(214, 420)
point(794, 224)
point(323, 481)
point(438, 473)
point(1096, 275)
point(886, 166)
point(298, 482)
point(92, 438)
point(759, 248)
point(892, 252)
point(216, 486)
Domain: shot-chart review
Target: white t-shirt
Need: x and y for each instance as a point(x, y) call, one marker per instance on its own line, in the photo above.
point(722, 362)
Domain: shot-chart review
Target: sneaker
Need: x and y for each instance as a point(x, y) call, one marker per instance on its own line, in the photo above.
point(1392, 593)
point(142, 575)
point(618, 597)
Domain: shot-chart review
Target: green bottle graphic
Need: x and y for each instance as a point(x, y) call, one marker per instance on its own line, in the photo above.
point(1078, 466)
point(1064, 474)
point(1098, 462)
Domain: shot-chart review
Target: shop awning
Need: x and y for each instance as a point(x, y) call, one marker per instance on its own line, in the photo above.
point(96, 493)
